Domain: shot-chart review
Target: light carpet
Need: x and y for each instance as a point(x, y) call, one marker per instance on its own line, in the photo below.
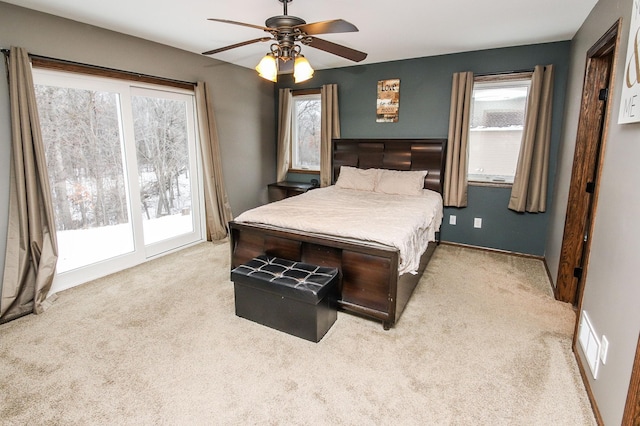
point(481, 342)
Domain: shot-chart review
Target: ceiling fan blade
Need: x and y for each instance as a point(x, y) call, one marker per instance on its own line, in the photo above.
point(326, 27)
point(336, 49)
point(233, 46)
point(226, 21)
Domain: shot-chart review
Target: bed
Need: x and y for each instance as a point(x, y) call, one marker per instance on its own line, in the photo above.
point(376, 280)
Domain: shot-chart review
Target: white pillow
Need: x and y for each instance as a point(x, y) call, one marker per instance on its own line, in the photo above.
point(401, 182)
point(354, 178)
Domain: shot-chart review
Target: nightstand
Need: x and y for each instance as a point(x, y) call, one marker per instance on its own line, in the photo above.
point(285, 189)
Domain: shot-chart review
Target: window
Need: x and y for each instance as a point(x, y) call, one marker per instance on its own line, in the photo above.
point(305, 136)
point(495, 130)
point(123, 169)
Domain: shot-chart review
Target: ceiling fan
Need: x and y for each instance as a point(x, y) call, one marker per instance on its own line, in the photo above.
point(289, 32)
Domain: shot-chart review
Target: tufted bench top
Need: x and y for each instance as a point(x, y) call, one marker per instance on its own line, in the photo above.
point(296, 280)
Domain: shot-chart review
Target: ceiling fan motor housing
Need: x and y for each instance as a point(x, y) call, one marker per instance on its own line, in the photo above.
point(284, 21)
point(285, 33)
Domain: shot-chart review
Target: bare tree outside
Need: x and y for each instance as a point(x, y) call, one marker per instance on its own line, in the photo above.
point(85, 151)
point(81, 134)
point(306, 152)
point(163, 161)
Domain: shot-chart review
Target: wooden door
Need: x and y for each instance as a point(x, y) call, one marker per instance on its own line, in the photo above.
point(585, 174)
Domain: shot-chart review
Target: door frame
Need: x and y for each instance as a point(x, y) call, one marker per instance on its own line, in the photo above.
point(631, 414)
point(590, 147)
point(140, 252)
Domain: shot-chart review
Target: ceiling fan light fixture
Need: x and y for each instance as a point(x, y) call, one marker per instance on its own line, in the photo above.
point(268, 67)
point(287, 30)
point(302, 70)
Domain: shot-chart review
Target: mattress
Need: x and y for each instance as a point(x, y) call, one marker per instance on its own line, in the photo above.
point(405, 222)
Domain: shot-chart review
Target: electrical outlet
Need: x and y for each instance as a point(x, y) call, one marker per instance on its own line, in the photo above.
point(477, 222)
point(452, 219)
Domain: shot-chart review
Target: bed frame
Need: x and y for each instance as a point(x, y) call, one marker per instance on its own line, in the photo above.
point(369, 281)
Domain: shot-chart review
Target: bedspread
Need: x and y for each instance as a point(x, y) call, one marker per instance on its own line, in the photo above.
point(405, 222)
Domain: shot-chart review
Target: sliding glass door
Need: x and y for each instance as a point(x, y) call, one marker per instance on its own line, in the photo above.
point(122, 160)
point(163, 127)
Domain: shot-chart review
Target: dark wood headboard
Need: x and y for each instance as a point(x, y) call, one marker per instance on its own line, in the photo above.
point(393, 154)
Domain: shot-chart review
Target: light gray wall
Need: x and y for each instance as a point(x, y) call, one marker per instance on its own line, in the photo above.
point(243, 104)
point(612, 289)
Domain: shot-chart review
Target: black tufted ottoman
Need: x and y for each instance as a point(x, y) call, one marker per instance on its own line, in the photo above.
point(294, 297)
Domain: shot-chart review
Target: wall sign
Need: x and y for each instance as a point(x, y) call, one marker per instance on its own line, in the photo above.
point(630, 103)
point(388, 102)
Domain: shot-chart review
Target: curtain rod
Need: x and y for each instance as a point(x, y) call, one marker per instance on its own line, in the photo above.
point(105, 70)
point(503, 72)
point(138, 75)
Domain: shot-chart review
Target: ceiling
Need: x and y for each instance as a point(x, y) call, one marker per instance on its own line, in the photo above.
point(388, 31)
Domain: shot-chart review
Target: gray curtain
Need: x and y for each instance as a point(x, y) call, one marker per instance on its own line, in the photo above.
point(529, 191)
point(455, 178)
point(32, 251)
point(284, 133)
point(330, 124)
point(218, 211)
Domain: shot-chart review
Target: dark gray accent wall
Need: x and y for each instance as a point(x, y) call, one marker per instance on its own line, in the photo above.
point(425, 92)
